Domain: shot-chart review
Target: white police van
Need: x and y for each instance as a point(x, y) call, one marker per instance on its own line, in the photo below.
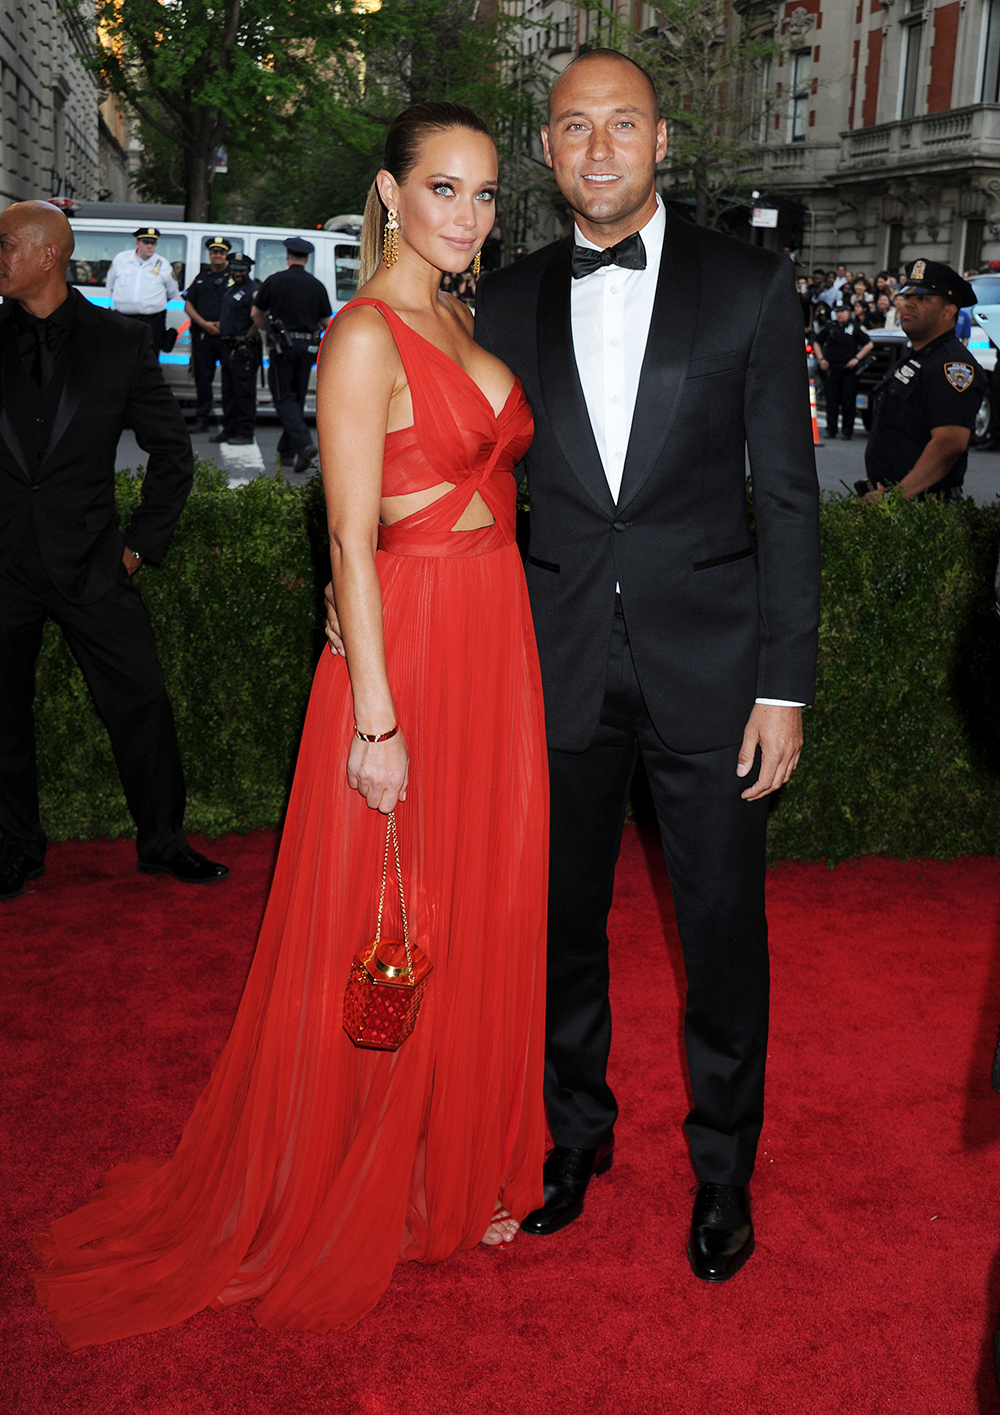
point(102, 229)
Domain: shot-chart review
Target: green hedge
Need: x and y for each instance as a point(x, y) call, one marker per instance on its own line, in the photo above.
point(902, 753)
point(902, 748)
point(238, 629)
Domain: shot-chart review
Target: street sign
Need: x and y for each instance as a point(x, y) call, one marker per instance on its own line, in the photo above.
point(764, 216)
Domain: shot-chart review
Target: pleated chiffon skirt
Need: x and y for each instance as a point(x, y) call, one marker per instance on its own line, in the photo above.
point(310, 1167)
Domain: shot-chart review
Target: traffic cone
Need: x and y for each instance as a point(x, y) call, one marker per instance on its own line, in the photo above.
point(812, 411)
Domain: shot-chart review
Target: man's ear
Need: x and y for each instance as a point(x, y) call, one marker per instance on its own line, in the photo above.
point(661, 139)
point(545, 146)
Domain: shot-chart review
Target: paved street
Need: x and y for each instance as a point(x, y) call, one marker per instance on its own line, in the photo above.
point(242, 463)
point(839, 462)
point(836, 462)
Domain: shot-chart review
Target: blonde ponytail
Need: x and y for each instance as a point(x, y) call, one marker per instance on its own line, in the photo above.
point(371, 235)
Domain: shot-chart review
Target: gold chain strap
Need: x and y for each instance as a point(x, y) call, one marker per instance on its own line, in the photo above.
point(390, 831)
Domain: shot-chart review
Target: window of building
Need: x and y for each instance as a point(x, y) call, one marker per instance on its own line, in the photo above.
point(58, 140)
point(894, 249)
point(912, 37)
point(766, 100)
point(271, 258)
point(798, 112)
point(973, 252)
point(991, 57)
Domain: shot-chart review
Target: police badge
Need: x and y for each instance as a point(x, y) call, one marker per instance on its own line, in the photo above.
point(960, 376)
point(919, 268)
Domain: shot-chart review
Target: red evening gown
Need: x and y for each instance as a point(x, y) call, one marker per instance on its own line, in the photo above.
point(310, 1167)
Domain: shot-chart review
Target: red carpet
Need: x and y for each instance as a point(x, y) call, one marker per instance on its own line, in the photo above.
point(876, 1282)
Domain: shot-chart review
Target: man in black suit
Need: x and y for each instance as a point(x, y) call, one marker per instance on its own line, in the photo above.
point(653, 352)
point(72, 377)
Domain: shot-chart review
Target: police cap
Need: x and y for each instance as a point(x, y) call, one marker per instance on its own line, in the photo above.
point(295, 245)
point(931, 277)
point(218, 243)
point(241, 262)
point(146, 233)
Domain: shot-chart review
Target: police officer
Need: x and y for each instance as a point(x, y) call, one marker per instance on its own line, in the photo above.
point(844, 343)
point(241, 355)
point(926, 406)
point(202, 304)
point(297, 301)
point(140, 282)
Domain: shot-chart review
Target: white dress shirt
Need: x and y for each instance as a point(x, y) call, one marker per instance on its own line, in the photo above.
point(141, 286)
point(610, 312)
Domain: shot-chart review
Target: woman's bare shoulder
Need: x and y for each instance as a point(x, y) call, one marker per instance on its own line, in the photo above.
point(359, 331)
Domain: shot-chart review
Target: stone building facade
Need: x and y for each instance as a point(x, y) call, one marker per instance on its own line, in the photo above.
point(59, 136)
point(881, 121)
point(877, 124)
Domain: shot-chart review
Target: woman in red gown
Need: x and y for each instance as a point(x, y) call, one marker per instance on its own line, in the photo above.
point(310, 1166)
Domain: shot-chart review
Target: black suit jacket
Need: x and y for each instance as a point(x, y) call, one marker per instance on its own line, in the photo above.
point(716, 616)
point(113, 381)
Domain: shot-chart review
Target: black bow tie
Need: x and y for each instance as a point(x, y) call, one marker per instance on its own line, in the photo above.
point(630, 254)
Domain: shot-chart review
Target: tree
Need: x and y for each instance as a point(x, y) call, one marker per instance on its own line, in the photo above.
point(197, 71)
point(707, 64)
point(330, 144)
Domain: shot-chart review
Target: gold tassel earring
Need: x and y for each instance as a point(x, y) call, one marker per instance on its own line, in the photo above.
point(390, 239)
point(475, 266)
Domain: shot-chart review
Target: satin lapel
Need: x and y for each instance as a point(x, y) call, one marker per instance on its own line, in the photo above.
point(7, 433)
point(84, 355)
point(668, 354)
point(562, 391)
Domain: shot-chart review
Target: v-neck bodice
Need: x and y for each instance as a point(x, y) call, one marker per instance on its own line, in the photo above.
point(455, 437)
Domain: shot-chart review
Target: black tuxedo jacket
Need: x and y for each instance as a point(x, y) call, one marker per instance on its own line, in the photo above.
point(112, 381)
point(716, 615)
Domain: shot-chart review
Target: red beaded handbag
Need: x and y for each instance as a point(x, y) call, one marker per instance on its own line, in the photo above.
point(388, 977)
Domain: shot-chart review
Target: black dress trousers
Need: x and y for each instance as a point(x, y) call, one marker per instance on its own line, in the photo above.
point(157, 327)
point(840, 389)
point(112, 641)
point(714, 846)
point(239, 390)
point(206, 352)
point(288, 377)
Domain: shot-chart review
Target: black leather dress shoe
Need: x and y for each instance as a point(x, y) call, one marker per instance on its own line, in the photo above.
point(216, 436)
point(15, 872)
point(565, 1176)
point(200, 425)
point(721, 1232)
point(187, 866)
point(305, 458)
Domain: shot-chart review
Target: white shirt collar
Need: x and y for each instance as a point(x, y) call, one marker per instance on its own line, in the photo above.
point(652, 235)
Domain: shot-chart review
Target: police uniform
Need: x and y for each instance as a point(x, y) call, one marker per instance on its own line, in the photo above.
point(205, 294)
point(939, 385)
point(298, 301)
point(241, 355)
point(141, 288)
point(841, 343)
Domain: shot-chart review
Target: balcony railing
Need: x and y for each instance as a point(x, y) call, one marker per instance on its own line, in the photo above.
point(958, 134)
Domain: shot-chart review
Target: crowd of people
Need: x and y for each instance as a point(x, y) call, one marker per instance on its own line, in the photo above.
point(941, 391)
point(871, 300)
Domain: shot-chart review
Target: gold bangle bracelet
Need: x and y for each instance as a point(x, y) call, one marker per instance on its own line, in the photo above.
point(376, 736)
